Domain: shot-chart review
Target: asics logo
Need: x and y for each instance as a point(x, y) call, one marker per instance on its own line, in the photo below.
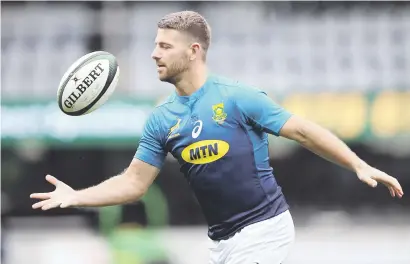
point(197, 129)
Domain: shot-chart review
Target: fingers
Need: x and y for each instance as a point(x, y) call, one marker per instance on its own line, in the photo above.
point(41, 196)
point(46, 204)
point(395, 192)
point(40, 204)
point(395, 184)
point(49, 205)
point(49, 199)
point(51, 179)
point(399, 192)
point(392, 191)
point(392, 184)
point(397, 188)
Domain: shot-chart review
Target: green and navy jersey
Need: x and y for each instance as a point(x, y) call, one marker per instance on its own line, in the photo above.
point(219, 135)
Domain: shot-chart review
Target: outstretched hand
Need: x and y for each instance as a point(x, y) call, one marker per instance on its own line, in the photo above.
point(371, 176)
point(63, 196)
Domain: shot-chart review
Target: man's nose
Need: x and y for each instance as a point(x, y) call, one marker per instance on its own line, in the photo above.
point(155, 54)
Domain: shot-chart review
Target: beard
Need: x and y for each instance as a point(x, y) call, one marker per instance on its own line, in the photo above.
point(174, 71)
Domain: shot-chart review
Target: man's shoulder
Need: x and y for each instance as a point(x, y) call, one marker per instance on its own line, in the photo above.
point(220, 80)
point(165, 101)
point(234, 87)
point(158, 113)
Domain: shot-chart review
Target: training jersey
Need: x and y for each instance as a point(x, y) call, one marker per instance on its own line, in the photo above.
point(219, 135)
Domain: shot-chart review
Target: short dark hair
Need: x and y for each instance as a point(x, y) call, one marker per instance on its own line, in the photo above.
point(190, 22)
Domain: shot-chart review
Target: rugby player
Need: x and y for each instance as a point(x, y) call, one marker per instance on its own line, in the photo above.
point(217, 129)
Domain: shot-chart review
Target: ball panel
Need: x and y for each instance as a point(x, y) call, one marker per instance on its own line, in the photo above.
point(77, 64)
point(107, 94)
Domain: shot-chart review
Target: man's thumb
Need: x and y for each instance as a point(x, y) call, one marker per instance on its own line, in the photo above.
point(51, 179)
point(64, 205)
point(370, 182)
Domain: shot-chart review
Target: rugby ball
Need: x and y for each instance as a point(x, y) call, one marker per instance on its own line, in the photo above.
point(88, 83)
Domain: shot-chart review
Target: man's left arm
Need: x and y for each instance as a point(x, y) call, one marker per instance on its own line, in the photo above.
point(325, 144)
point(262, 113)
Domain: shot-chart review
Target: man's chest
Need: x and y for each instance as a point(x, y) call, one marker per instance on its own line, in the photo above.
point(202, 131)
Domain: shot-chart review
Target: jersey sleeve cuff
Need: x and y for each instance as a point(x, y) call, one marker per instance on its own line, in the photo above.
point(149, 160)
point(285, 117)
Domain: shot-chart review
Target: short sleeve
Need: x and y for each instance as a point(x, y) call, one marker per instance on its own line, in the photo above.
point(260, 111)
point(150, 149)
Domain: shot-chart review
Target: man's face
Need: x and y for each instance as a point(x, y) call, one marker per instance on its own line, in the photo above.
point(171, 54)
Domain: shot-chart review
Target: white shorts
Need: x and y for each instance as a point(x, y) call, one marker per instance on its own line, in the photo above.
point(265, 242)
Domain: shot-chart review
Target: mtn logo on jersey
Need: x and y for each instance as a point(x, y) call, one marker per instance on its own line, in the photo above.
point(205, 151)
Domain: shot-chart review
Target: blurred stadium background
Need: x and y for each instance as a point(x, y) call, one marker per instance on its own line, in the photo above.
point(345, 65)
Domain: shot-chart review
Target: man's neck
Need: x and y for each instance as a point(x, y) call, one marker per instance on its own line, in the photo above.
point(192, 80)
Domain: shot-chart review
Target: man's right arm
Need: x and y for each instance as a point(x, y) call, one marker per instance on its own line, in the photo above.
point(124, 188)
point(127, 187)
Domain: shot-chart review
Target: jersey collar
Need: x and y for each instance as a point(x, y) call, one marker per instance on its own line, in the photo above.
point(197, 94)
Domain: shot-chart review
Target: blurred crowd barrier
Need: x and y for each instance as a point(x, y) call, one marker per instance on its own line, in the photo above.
point(354, 116)
point(280, 47)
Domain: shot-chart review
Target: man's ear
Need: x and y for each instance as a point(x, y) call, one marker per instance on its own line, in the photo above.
point(195, 51)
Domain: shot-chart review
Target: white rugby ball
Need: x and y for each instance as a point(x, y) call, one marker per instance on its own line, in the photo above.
point(88, 83)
